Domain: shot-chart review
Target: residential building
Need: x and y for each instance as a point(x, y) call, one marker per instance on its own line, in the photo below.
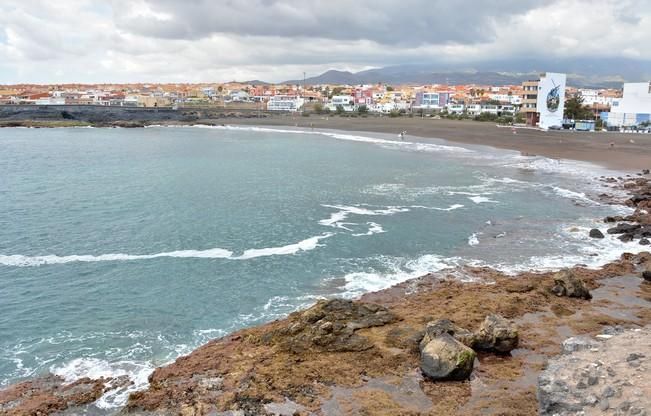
point(347, 102)
point(431, 100)
point(289, 103)
point(529, 101)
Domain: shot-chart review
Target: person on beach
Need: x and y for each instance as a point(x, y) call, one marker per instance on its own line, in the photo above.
point(402, 135)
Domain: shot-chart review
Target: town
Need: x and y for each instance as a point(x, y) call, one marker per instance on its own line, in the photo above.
point(625, 109)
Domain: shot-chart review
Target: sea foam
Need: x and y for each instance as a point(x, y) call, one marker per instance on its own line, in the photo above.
point(19, 260)
point(305, 245)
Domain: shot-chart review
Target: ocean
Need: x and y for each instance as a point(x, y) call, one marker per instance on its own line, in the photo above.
point(122, 249)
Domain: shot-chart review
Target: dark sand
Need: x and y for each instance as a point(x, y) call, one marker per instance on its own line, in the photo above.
point(630, 151)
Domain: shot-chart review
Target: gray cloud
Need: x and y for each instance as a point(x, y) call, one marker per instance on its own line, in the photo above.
point(275, 40)
point(383, 21)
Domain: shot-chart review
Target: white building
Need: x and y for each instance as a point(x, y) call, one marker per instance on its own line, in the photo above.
point(50, 101)
point(388, 107)
point(634, 108)
point(347, 102)
point(285, 103)
point(473, 109)
point(455, 108)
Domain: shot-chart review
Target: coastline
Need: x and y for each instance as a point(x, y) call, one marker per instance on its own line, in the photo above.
point(443, 297)
point(591, 147)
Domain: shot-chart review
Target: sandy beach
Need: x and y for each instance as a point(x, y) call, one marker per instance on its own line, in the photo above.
point(629, 152)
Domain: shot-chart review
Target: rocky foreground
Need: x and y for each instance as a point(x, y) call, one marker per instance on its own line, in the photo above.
point(569, 343)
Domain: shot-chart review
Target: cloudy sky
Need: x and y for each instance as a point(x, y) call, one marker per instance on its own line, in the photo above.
point(220, 40)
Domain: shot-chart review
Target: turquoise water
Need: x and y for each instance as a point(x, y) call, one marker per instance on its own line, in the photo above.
point(122, 249)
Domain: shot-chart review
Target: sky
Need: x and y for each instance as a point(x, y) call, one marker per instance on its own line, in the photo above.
point(45, 41)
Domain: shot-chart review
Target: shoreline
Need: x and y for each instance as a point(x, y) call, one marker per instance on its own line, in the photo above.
point(405, 299)
point(630, 152)
point(593, 147)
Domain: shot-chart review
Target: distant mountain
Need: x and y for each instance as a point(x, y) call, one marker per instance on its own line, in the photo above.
point(588, 72)
point(255, 82)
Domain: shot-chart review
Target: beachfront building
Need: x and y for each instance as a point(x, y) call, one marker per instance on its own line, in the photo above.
point(346, 102)
point(529, 101)
point(289, 103)
point(431, 100)
point(454, 108)
point(633, 109)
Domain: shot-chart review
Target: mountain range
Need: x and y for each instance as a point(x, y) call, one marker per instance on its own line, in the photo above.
point(583, 72)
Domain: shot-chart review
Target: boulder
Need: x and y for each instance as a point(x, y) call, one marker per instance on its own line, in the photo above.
point(496, 334)
point(645, 242)
point(437, 328)
point(567, 284)
point(595, 233)
point(646, 275)
point(445, 358)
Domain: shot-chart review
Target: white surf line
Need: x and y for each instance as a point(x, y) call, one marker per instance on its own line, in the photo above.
point(348, 137)
point(19, 260)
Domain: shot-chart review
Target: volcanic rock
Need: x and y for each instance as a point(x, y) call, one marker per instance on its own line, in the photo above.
point(595, 233)
point(437, 328)
point(330, 326)
point(567, 284)
point(624, 228)
point(626, 237)
point(496, 334)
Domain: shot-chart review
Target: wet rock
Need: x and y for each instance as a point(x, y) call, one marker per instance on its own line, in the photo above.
point(51, 394)
point(595, 233)
point(445, 358)
point(624, 228)
point(613, 219)
point(645, 242)
point(626, 238)
point(567, 284)
point(646, 275)
point(639, 198)
point(645, 171)
point(331, 326)
point(437, 328)
point(496, 334)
